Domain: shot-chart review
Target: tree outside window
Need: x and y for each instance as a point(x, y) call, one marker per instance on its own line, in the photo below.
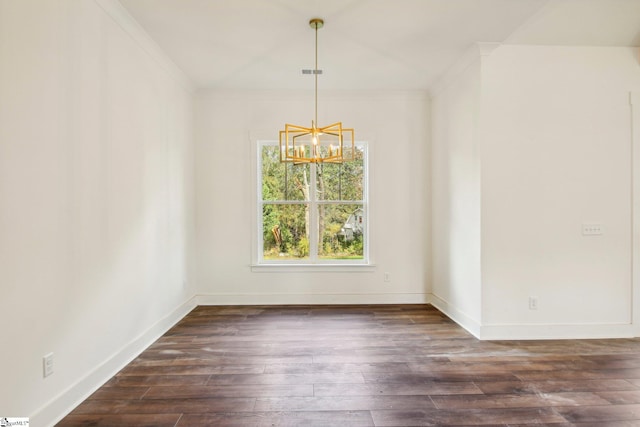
point(312, 213)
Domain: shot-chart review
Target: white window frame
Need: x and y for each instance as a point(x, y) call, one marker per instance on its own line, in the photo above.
point(313, 262)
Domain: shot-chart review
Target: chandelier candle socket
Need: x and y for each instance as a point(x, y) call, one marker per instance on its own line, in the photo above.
point(328, 144)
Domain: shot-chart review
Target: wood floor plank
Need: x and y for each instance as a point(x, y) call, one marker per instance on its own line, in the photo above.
point(621, 397)
point(343, 403)
point(573, 374)
point(311, 378)
point(553, 386)
point(110, 420)
point(242, 390)
point(522, 365)
point(192, 367)
point(283, 419)
point(588, 424)
point(149, 380)
point(371, 359)
point(170, 406)
point(608, 413)
point(397, 389)
point(425, 376)
point(382, 365)
point(468, 417)
point(118, 392)
point(336, 368)
point(216, 359)
point(518, 400)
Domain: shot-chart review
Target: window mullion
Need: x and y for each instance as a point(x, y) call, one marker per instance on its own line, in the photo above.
point(313, 214)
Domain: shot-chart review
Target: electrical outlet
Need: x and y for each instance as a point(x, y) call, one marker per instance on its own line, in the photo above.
point(533, 303)
point(47, 365)
point(387, 277)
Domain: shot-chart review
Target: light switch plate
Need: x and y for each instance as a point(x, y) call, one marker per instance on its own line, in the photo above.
point(591, 229)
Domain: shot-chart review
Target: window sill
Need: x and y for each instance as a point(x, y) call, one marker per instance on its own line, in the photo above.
point(313, 268)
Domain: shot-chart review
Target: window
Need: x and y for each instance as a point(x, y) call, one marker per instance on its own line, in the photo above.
point(311, 213)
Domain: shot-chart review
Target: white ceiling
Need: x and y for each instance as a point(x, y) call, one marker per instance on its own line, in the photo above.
point(365, 44)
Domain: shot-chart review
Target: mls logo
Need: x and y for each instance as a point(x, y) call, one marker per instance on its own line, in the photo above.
point(10, 422)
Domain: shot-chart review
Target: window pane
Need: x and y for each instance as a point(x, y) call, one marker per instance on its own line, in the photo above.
point(341, 181)
point(298, 226)
point(342, 229)
point(282, 181)
point(284, 231)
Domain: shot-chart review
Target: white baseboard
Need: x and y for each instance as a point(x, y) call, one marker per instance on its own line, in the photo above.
point(66, 401)
point(293, 299)
point(461, 318)
point(555, 331)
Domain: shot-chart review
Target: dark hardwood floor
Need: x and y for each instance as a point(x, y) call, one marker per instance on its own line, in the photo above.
point(395, 365)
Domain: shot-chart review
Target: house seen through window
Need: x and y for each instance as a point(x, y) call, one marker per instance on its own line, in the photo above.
point(312, 213)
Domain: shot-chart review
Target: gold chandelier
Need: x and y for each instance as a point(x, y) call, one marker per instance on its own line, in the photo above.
point(300, 145)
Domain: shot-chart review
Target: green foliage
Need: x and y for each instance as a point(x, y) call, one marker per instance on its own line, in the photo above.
point(343, 181)
point(303, 247)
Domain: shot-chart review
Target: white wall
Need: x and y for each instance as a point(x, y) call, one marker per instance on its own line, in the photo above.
point(96, 197)
point(557, 154)
point(395, 125)
point(456, 193)
point(635, 125)
point(552, 144)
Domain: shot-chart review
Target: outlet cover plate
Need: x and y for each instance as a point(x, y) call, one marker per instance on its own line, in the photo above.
point(47, 365)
